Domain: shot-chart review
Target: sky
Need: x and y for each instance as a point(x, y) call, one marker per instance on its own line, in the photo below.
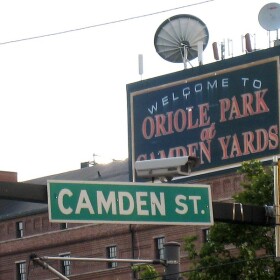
point(63, 94)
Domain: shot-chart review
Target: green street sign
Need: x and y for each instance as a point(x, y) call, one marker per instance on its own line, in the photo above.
point(129, 203)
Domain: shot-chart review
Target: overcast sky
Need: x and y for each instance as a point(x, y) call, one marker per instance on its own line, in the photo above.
point(63, 97)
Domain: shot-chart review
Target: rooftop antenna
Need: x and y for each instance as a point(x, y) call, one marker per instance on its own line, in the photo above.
point(94, 160)
point(180, 38)
point(248, 45)
point(200, 52)
point(215, 50)
point(230, 47)
point(89, 163)
point(223, 50)
point(220, 49)
point(269, 18)
point(140, 64)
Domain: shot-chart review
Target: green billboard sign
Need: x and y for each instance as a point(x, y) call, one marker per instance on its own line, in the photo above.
point(129, 203)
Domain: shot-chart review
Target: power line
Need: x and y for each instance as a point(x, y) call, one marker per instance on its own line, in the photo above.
point(240, 261)
point(103, 24)
point(229, 263)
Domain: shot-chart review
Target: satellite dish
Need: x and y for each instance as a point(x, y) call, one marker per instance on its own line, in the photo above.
point(269, 16)
point(178, 39)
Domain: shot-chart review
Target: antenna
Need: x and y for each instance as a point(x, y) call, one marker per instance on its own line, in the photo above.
point(200, 52)
point(223, 50)
point(176, 39)
point(215, 51)
point(140, 64)
point(230, 47)
point(269, 18)
point(248, 45)
point(88, 163)
point(223, 46)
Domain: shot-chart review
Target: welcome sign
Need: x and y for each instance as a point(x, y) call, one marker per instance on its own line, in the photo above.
point(223, 117)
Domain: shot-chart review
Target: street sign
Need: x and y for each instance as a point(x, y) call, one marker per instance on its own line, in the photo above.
point(129, 203)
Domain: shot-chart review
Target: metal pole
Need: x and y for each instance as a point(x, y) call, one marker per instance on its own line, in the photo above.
point(133, 273)
point(172, 258)
point(44, 265)
point(44, 258)
point(277, 210)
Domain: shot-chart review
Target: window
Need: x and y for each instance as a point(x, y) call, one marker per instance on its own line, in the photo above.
point(205, 235)
point(112, 254)
point(65, 264)
point(159, 249)
point(21, 271)
point(19, 229)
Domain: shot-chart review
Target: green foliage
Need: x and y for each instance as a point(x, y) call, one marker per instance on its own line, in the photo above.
point(258, 184)
point(232, 249)
point(146, 271)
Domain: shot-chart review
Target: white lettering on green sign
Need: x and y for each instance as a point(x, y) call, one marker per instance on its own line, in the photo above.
point(180, 200)
point(124, 203)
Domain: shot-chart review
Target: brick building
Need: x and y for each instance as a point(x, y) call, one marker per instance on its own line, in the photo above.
point(25, 229)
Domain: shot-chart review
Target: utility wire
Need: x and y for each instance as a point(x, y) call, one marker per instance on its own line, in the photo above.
point(103, 24)
point(230, 263)
point(217, 265)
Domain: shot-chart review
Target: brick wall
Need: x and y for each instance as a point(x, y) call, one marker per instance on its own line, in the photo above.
point(7, 176)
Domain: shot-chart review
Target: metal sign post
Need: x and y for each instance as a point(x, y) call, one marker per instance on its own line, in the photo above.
point(172, 257)
point(277, 209)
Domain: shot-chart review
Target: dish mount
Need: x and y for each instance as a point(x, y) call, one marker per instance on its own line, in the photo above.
point(181, 38)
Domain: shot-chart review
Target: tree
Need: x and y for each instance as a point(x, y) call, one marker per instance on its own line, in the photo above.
point(239, 251)
point(146, 271)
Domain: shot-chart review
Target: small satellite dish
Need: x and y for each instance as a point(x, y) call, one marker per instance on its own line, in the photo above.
point(178, 39)
point(269, 16)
